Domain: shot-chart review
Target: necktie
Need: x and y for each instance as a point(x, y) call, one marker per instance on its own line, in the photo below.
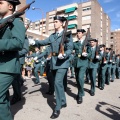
point(80, 42)
point(57, 34)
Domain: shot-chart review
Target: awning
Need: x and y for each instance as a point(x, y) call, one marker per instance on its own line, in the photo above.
point(72, 9)
point(71, 17)
point(72, 26)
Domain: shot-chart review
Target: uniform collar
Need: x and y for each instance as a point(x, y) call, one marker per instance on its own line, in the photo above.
point(59, 32)
point(6, 16)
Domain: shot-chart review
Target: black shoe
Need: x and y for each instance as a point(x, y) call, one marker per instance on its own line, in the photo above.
point(92, 93)
point(112, 80)
point(108, 83)
point(79, 100)
point(63, 106)
point(50, 93)
point(86, 81)
point(101, 88)
point(55, 114)
point(14, 100)
point(77, 97)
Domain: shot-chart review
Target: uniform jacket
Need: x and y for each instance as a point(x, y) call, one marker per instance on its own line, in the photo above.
point(117, 62)
point(109, 64)
point(24, 51)
point(80, 61)
point(54, 42)
point(11, 41)
point(94, 63)
point(102, 65)
point(39, 61)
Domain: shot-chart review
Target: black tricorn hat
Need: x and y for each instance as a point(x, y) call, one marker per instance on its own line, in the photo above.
point(15, 2)
point(37, 46)
point(92, 39)
point(61, 18)
point(81, 30)
point(102, 45)
point(110, 49)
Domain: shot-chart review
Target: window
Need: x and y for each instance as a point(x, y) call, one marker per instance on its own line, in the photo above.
point(86, 17)
point(86, 9)
point(111, 37)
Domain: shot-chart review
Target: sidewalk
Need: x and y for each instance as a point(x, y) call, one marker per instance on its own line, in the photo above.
point(36, 105)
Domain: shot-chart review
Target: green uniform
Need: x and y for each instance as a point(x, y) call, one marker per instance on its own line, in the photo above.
point(11, 41)
point(19, 80)
point(58, 66)
point(72, 65)
point(113, 69)
point(109, 66)
point(93, 67)
point(37, 66)
point(118, 68)
point(80, 64)
point(48, 71)
point(102, 71)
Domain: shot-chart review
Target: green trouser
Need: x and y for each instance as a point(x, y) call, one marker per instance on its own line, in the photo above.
point(42, 68)
point(79, 73)
point(5, 82)
point(36, 74)
point(113, 69)
point(101, 77)
point(72, 71)
point(92, 73)
point(17, 85)
point(65, 81)
point(49, 77)
point(108, 74)
point(59, 88)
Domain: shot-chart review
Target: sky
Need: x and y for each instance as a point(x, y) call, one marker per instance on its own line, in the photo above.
point(111, 7)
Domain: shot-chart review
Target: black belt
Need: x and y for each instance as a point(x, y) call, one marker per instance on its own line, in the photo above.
point(55, 54)
point(2, 52)
point(7, 52)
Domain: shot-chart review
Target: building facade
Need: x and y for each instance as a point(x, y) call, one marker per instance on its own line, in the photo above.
point(83, 15)
point(115, 40)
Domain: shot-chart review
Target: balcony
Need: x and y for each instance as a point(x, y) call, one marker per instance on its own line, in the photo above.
point(71, 17)
point(71, 26)
point(69, 10)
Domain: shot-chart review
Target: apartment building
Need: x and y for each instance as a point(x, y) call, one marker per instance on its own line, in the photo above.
point(88, 13)
point(115, 40)
point(83, 15)
point(37, 29)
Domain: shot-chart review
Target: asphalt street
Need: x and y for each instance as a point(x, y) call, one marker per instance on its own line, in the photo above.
point(36, 105)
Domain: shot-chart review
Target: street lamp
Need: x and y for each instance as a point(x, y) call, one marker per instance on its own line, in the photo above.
point(42, 19)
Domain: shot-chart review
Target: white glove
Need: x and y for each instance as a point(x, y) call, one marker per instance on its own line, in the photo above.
point(49, 58)
point(60, 56)
point(110, 60)
point(42, 62)
point(113, 62)
point(105, 62)
point(31, 42)
point(36, 61)
point(35, 58)
point(84, 54)
point(97, 57)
